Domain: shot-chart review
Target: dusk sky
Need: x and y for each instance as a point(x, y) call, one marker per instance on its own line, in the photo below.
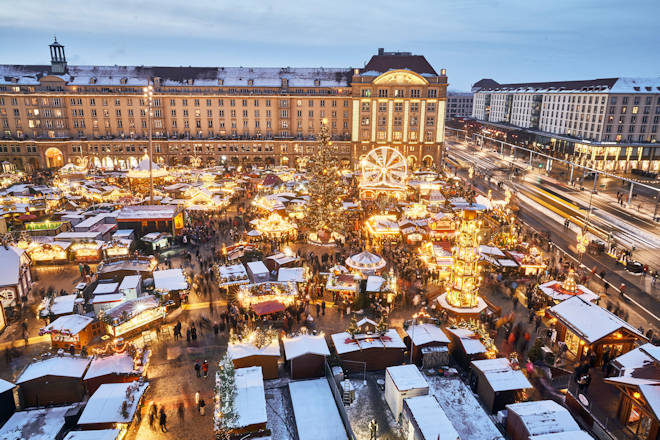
point(509, 41)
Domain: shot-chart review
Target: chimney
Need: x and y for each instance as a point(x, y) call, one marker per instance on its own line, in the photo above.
point(381, 51)
point(57, 57)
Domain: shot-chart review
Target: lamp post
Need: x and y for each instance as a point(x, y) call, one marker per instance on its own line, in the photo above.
point(149, 100)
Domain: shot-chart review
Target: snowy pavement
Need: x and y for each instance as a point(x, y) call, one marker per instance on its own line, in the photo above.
point(369, 404)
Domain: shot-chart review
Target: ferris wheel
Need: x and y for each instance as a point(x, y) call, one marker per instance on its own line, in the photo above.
point(384, 166)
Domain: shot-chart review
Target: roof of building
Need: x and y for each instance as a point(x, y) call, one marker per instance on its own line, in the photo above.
point(138, 76)
point(72, 324)
point(35, 424)
point(609, 85)
point(61, 305)
point(250, 399)
point(315, 411)
point(105, 405)
point(544, 417)
point(430, 418)
point(501, 376)
point(588, 320)
point(10, 264)
point(406, 377)
point(63, 366)
point(170, 279)
point(345, 343)
point(469, 340)
point(147, 212)
point(99, 434)
point(116, 364)
point(385, 61)
point(305, 344)
point(567, 435)
point(640, 363)
point(6, 386)
point(243, 349)
point(421, 334)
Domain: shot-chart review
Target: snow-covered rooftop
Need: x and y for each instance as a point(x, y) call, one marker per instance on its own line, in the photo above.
point(425, 333)
point(130, 282)
point(634, 362)
point(296, 274)
point(105, 288)
point(568, 435)
point(5, 386)
point(257, 267)
point(105, 405)
point(406, 377)
point(250, 400)
point(35, 424)
point(65, 366)
point(501, 376)
point(10, 263)
point(469, 340)
point(588, 320)
point(316, 414)
point(305, 344)
point(72, 324)
point(375, 283)
point(147, 212)
point(344, 343)
point(116, 364)
point(544, 417)
point(243, 350)
point(99, 434)
point(430, 418)
point(62, 305)
point(170, 279)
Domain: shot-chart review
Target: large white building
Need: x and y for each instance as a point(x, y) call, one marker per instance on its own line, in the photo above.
point(459, 105)
point(609, 123)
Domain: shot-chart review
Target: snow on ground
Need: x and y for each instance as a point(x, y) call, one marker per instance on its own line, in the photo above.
point(279, 411)
point(370, 404)
point(463, 409)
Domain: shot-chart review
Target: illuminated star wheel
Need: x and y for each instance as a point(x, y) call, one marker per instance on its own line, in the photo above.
point(384, 166)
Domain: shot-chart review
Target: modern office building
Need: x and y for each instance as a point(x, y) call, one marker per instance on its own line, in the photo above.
point(54, 114)
point(459, 105)
point(609, 124)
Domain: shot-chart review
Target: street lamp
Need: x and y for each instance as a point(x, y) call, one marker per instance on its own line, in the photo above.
point(149, 100)
point(582, 242)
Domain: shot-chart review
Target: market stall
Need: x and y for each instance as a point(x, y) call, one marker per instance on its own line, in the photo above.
point(366, 263)
point(133, 316)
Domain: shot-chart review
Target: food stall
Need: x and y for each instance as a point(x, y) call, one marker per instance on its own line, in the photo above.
point(133, 316)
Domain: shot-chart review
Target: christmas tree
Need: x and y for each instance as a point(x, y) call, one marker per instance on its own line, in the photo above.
point(225, 416)
point(326, 190)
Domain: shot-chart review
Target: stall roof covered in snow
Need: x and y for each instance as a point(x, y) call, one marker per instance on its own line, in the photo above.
point(105, 288)
point(296, 274)
point(170, 279)
point(568, 435)
point(100, 434)
point(35, 424)
point(64, 366)
point(105, 405)
point(72, 324)
point(469, 340)
point(425, 333)
point(640, 362)
point(130, 282)
point(375, 283)
point(152, 212)
point(250, 399)
point(305, 344)
point(10, 263)
point(501, 376)
point(257, 267)
point(61, 305)
point(430, 418)
point(543, 417)
point(121, 363)
point(406, 377)
point(244, 349)
point(588, 320)
point(315, 411)
point(6, 386)
point(344, 343)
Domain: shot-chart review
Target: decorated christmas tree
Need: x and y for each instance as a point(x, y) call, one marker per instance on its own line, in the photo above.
point(326, 190)
point(225, 416)
point(382, 326)
point(353, 327)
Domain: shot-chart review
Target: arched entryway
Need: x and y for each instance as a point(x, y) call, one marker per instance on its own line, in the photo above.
point(54, 158)
point(427, 161)
point(412, 160)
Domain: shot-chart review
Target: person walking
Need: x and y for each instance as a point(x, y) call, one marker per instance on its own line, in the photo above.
point(162, 420)
point(197, 399)
point(202, 406)
point(198, 369)
point(193, 333)
point(181, 412)
point(205, 368)
point(152, 415)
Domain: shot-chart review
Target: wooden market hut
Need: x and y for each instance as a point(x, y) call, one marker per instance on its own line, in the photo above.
point(305, 356)
point(7, 404)
point(421, 336)
point(245, 354)
point(527, 420)
point(465, 346)
point(117, 368)
point(585, 327)
point(54, 381)
point(371, 351)
point(76, 330)
point(497, 383)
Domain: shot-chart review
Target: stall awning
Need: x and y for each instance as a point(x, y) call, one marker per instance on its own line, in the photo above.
point(267, 307)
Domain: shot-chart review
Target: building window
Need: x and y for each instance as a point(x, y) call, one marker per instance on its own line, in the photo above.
point(382, 93)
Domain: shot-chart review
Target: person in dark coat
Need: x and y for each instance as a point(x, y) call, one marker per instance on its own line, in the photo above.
point(162, 419)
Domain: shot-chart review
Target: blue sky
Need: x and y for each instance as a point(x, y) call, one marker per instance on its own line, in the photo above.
point(507, 40)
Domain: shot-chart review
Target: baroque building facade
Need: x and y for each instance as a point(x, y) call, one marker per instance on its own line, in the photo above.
point(55, 114)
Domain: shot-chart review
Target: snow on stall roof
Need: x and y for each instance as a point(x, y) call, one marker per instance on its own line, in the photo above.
point(363, 342)
point(113, 297)
point(490, 250)
point(105, 404)
point(115, 364)
point(316, 414)
point(233, 270)
point(35, 424)
point(469, 340)
point(6, 386)
point(424, 333)
point(651, 393)
point(463, 409)
point(305, 344)
point(170, 279)
point(105, 288)
point(406, 377)
point(10, 263)
point(99, 434)
point(130, 282)
point(375, 283)
point(147, 212)
point(64, 366)
point(257, 267)
point(73, 324)
point(501, 376)
point(286, 274)
point(243, 349)
point(431, 419)
point(636, 359)
point(590, 321)
point(568, 435)
point(250, 400)
point(62, 305)
point(544, 417)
